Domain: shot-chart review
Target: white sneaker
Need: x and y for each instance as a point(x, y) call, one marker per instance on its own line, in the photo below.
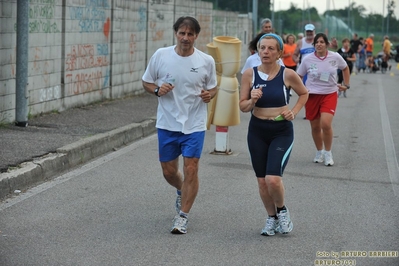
point(328, 158)
point(319, 157)
point(179, 225)
point(270, 227)
point(285, 224)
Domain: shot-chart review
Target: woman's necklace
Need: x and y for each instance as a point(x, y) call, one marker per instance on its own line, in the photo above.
point(272, 73)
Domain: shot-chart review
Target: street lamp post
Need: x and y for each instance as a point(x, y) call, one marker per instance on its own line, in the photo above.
point(255, 16)
point(383, 14)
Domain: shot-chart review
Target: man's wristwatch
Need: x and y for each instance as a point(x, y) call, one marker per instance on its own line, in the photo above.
point(347, 86)
point(156, 91)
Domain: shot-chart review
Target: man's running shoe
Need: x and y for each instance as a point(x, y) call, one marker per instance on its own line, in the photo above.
point(285, 224)
point(179, 225)
point(270, 227)
point(328, 158)
point(319, 157)
point(178, 203)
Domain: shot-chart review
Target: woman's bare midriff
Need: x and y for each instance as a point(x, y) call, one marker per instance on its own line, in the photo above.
point(268, 113)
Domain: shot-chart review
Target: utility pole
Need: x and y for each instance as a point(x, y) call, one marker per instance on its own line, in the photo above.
point(388, 15)
point(349, 15)
point(272, 4)
point(383, 14)
point(21, 78)
point(255, 16)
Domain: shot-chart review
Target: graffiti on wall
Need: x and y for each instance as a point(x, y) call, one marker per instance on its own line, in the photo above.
point(49, 94)
point(41, 17)
point(83, 56)
point(83, 82)
point(157, 34)
point(141, 24)
point(87, 65)
point(83, 65)
point(92, 17)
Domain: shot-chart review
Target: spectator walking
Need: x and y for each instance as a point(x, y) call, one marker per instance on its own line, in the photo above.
point(386, 48)
point(350, 58)
point(184, 80)
point(361, 62)
point(321, 68)
point(270, 131)
point(369, 43)
point(355, 43)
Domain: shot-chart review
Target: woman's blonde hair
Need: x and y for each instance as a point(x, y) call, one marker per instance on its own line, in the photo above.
point(289, 35)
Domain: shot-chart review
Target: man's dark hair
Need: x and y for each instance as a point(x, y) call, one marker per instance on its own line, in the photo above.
point(189, 22)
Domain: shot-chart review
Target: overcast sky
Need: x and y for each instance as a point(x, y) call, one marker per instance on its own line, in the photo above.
point(372, 6)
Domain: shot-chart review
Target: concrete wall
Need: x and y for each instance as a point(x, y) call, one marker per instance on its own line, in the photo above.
point(83, 51)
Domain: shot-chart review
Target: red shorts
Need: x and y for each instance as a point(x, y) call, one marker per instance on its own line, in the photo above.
point(320, 103)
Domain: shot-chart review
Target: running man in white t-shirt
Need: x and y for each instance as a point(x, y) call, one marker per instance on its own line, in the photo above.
point(184, 80)
point(304, 46)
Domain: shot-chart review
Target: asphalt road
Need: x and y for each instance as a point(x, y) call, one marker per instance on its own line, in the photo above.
point(117, 209)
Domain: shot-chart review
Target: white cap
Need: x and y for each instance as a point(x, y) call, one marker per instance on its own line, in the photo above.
point(309, 27)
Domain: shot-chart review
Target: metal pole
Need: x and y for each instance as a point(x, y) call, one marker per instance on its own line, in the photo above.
point(383, 13)
point(388, 15)
point(349, 15)
point(21, 79)
point(272, 4)
point(303, 13)
point(255, 16)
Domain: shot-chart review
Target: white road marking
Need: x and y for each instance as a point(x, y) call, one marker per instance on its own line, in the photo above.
point(392, 161)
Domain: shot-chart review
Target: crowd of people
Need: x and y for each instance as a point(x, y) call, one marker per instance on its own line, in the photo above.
point(308, 64)
point(363, 49)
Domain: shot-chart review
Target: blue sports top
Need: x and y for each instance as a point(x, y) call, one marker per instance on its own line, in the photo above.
point(275, 94)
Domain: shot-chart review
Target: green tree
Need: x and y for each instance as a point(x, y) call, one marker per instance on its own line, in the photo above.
point(293, 19)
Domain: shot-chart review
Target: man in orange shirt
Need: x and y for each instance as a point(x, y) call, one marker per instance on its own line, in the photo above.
point(369, 45)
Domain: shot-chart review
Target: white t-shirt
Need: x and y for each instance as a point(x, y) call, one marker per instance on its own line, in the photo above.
point(254, 60)
point(306, 48)
point(181, 110)
point(322, 72)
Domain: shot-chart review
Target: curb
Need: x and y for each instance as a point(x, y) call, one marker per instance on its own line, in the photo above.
point(48, 166)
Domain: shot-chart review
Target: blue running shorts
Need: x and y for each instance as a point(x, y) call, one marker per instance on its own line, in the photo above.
point(172, 144)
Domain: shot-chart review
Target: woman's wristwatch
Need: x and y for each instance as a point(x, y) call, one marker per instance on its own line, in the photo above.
point(156, 91)
point(346, 85)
